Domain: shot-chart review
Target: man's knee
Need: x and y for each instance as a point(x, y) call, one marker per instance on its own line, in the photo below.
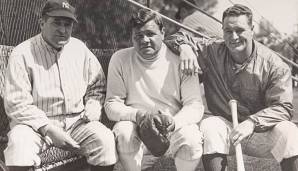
point(216, 135)
point(287, 130)
point(101, 133)
point(126, 137)
point(21, 136)
point(99, 147)
point(23, 146)
point(213, 127)
point(285, 137)
point(188, 141)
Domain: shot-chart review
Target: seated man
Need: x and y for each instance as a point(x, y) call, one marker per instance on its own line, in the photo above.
point(52, 81)
point(240, 68)
point(145, 79)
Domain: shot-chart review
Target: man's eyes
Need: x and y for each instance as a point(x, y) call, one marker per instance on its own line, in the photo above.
point(150, 34)
point(59, 23)
point(143, 35)
point(238, 31)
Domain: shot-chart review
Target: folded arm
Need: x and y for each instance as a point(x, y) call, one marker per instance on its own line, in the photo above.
point(186, 47)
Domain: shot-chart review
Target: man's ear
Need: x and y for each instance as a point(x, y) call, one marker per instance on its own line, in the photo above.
point(252, 27)
point(41, 22)
point(163, 31)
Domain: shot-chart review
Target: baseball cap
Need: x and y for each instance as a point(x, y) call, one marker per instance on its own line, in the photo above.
point(59, 8)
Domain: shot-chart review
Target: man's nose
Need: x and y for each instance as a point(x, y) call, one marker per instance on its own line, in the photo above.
point(145, 39)
point(235, 35)
point(62, 29)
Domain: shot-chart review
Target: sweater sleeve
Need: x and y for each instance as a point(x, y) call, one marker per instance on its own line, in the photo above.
point(115, 106)
point(193, 109)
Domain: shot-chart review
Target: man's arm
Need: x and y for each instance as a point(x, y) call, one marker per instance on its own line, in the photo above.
point(116, 93)
point(96, 89)
point(278, 98)
point(193, 109)
point(187, 48)
point(19, 105)
point(17, 96)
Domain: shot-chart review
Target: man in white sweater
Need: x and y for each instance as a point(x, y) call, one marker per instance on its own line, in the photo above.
point(146, 77)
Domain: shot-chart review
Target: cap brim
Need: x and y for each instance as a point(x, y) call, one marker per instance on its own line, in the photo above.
point(62, 13)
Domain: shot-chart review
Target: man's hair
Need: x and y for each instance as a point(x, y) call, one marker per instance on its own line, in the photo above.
point(185, 5)
point(45, 17)
point(237, 10)
point(143, 16)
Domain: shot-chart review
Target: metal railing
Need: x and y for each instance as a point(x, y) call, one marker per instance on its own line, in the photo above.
point(206, 36)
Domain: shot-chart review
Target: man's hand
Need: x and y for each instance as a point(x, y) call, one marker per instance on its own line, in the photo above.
point(92, 111)
point(148, 129)
point(189, 63)
point(243, 130)
point(165, 123)
point(60, 138)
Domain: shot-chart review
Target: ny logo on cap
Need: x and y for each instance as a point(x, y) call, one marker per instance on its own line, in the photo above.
point(65, 5)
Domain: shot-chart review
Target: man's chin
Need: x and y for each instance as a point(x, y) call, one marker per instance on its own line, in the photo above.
point(148, 52)
point(62, 43)
point(237, 48)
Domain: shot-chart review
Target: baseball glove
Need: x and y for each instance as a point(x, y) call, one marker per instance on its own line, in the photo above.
point(153, 130)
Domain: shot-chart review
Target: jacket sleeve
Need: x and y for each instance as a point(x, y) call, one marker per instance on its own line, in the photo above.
point(278, 98)
point(174, 41)
point(18, 99)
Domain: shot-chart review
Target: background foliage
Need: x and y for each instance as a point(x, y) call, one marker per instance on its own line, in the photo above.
point(103, 24)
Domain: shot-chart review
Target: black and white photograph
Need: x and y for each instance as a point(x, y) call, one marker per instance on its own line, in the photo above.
point(148, 85)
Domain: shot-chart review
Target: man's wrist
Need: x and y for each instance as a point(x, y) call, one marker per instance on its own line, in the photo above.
point(252, 122)
point(44, 129)
point(184, 47)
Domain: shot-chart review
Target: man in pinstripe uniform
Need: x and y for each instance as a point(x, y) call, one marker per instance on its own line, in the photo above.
point(54, 92)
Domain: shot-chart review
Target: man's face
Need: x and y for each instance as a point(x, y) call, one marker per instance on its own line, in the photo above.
point(238, 34)
point(147, 40)
point(56, 30)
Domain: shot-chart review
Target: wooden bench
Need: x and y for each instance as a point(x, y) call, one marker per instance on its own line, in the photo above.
point(57, 159)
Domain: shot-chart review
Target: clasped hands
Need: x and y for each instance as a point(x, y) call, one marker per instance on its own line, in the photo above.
point(164, 122)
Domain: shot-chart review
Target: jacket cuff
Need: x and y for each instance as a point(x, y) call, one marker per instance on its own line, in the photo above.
point(40, 123)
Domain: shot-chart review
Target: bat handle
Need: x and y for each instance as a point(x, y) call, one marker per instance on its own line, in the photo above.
point(238, 149)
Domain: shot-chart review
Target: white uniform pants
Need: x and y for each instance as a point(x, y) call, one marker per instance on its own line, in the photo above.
point(185, 146)
point(96, 141)
point(280, 142)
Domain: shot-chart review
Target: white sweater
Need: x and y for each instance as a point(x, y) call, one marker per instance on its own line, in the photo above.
point(135, 83)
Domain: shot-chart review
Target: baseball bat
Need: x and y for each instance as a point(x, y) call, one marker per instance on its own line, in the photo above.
point(238, 149)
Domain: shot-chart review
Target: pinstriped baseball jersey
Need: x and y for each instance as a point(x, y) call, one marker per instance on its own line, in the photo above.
point(42, 82)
